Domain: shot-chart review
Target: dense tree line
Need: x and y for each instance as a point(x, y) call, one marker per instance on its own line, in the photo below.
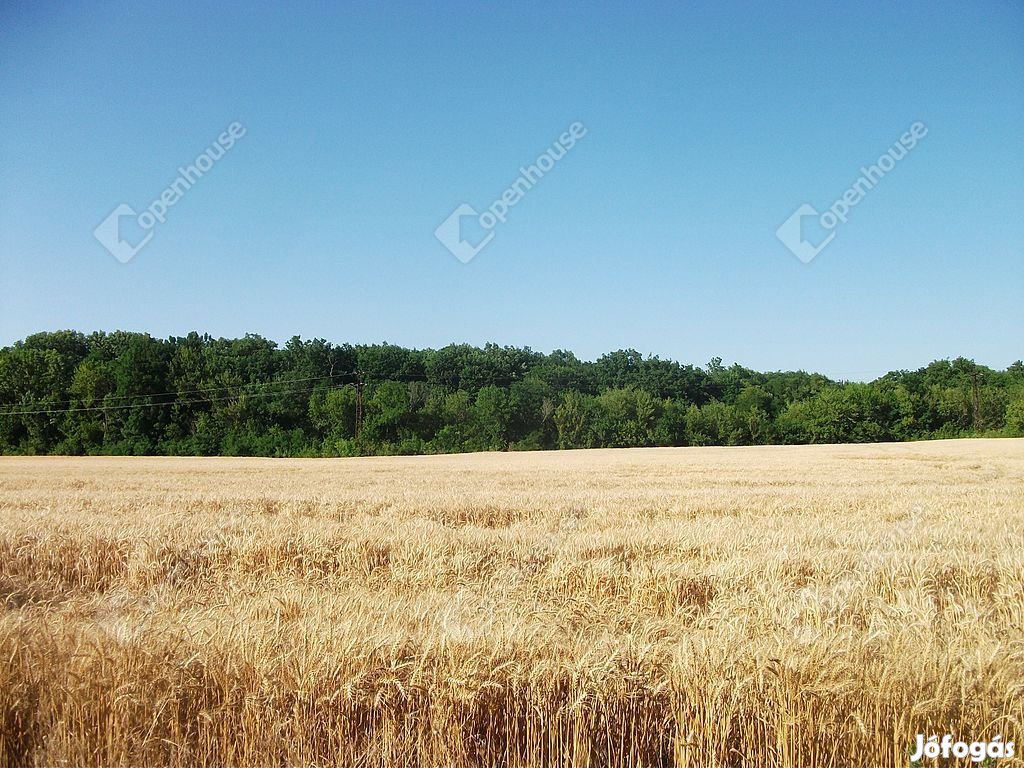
point(130, 393)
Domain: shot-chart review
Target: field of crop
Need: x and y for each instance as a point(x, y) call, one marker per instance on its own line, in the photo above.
point(775, 606)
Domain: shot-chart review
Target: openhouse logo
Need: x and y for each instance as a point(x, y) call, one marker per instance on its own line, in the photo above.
point(790, 233)
point(450, 230)
point(110, 232)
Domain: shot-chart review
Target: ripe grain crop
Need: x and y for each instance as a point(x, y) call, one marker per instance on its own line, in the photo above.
point(765, 606)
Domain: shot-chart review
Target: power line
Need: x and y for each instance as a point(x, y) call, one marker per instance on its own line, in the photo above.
point(359, 384)
point(178, 393)
point(131, 406)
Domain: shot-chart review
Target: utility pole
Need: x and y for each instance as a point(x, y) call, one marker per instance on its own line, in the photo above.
point(359, 403)
point(975, 400)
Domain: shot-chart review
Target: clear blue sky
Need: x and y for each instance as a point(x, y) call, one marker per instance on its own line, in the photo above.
point(367, 125)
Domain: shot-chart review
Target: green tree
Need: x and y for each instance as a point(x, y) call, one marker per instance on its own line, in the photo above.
point(572, 417)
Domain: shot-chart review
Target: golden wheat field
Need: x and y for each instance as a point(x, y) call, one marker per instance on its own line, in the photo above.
point(766, 606)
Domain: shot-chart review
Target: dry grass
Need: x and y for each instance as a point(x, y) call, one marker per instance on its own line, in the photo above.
point(778, 606)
